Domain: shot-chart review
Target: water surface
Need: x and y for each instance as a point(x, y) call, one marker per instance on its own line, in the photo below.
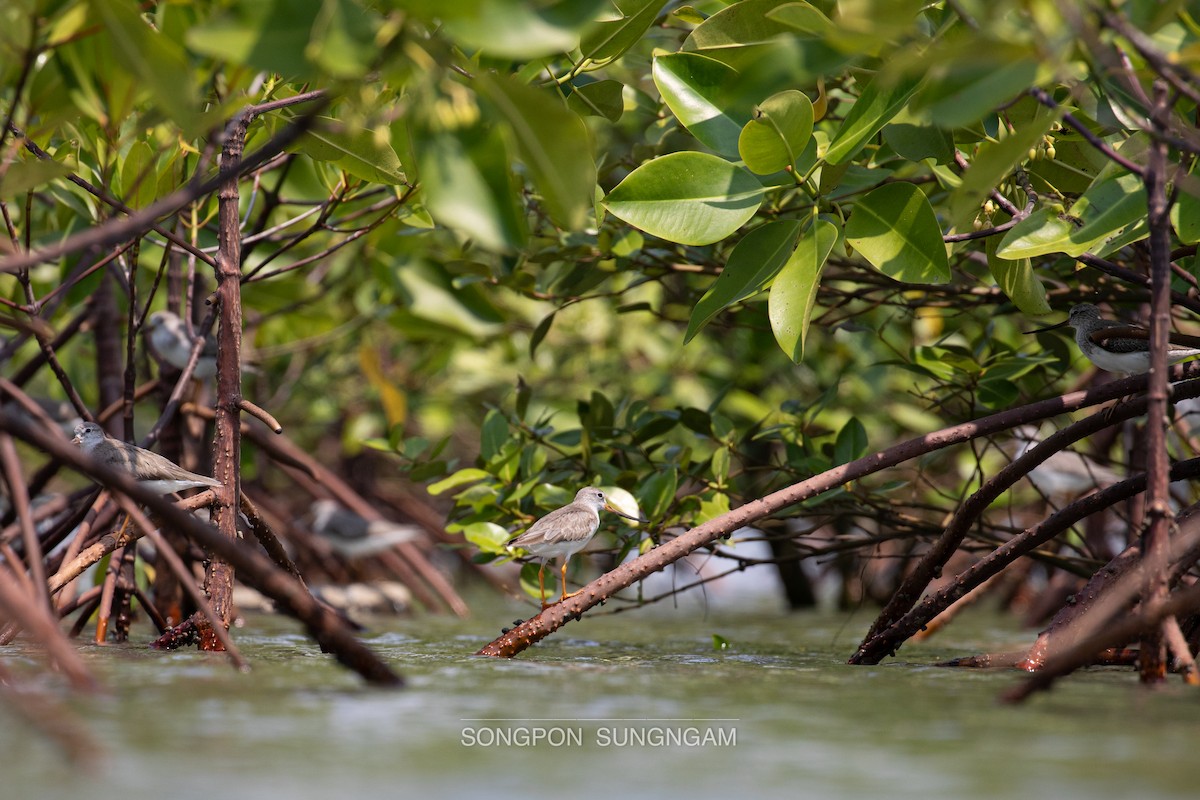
point(803, 724)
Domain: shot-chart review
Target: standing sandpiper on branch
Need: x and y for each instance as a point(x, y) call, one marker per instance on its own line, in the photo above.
point(149, 469)
point(1118, 346)
point(564, 532)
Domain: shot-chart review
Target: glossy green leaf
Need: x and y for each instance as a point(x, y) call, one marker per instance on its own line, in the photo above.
point(1110, 214)
point(1017, 280)
point(778, 133)
point(895, 229)
point(553, 143)
point(463, 476)
point(598, 99)
point(917, 142)
point(739, 34)
point(754, 262)
point(995, 161)
point(803, 18)
point(689, 198)
point(513, 28)
point(364, 153)
point(794, 292)
point(702, 94)
point(657, 492)
point(609, 38)
point(158, 63)
point(879, 102)
point(467, 186)
point(1110, 204)
point(1047, 230)
point(487, 536)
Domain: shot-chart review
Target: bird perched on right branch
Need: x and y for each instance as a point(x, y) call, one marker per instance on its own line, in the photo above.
point(1118, 346)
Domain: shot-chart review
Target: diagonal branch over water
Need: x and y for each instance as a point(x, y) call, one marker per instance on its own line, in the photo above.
point(539, 627)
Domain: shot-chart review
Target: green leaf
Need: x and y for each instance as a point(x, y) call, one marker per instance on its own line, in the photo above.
point(658, 492)
point(804, 18)
point(740, 34)
point(880, 100)
point(777, 134)
point(1110, 204)
point(159, 64)
point(553, 143)
point(1017, 280)
point(689, 198)
point(993, 163)
point(539, 333)
point(1047, 230)
point(273, 36)
point(512, 29)
point(755, 260)
point(702, 94)
point(138, 178)
point(463, 476)
point(851, 442)
point(896, 231)
point(467, 186)
point(1110, 214)
point(609, 38)
point(21, 176)
point(493, 436)
point(364, 153)
point(917, 142)
point(597, 98)
point(997, 393)
point(487, 536)
point(794, 292)
point(1185, 214)
point(970, 90)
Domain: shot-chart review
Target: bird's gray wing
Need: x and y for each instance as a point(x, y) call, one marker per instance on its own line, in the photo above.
point(571, 525)
point(545, 529)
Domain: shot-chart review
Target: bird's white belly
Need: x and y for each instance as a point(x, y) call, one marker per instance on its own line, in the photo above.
point(559, 549)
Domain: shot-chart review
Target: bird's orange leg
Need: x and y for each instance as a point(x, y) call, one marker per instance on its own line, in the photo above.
point(542, 585)
point(564, 581)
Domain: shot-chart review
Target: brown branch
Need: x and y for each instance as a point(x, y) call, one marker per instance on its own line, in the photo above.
point(201, 599)
point(227, 447)
point(1152, 654)
point(875, 644)
point(34, 617)
point(18, 495)
point(138, 222)
point(887, 640)
point(255, 569)
point(255, 411)
point(1185, 601)
point(557, 615)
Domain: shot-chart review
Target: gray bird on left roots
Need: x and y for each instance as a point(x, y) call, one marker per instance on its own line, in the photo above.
point(151, 470)
point(564, 532)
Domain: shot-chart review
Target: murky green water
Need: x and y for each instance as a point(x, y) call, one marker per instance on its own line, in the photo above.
point(185, 725)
